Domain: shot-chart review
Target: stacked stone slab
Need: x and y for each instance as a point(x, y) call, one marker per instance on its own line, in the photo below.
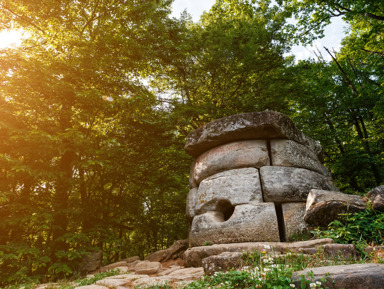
point(251, 178)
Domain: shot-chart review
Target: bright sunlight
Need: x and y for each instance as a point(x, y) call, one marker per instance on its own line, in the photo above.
point(9, 38)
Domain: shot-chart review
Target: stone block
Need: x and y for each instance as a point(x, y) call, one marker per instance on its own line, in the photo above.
point(376, 195)
point(323, 207)
point(294, 223)
point(288, 153)
point(245, 126)
point(230, 188)
point(241, 154)
point(249, 223)
point(287, 184)
point(222, 262)
point(355, 276)
point(191, 204)
point(147, 267)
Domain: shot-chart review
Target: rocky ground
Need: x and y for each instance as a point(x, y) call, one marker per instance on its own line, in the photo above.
point(178, 266)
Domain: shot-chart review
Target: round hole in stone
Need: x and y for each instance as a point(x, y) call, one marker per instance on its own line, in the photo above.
point(226, 208)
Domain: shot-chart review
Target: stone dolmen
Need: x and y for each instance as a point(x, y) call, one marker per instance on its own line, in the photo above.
point(251, 178)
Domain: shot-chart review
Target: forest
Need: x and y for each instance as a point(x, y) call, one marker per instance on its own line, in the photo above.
point(97, 101)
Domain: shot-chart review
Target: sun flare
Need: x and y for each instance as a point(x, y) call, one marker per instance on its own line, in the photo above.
point(9, 38)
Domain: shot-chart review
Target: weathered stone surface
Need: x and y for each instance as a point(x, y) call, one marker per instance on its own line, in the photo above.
point(113, 266)
point(252, 125)
point(147, 267)
point(324, 206)
point(170, 270)
point(287, 184)
point(131, 265)
point(93, 286)
point(111, 282)
point(92, 262)
point(187, 274)
point(173, 252)
point(294, 223)
point(356, 276)
point(288, 153)
point(132, 259)
point(222, 262)
point(248, 223)
point(240, 186)
point(191, 204)
point(344, 251)
point(376, 195)
point(242, 154)
point(192, 182)
point(193, 256)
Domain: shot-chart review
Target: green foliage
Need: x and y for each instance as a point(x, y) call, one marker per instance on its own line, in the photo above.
point(262, 272)
point(361, 228)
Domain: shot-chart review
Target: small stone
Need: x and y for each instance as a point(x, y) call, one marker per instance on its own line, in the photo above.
point(147, 267)
point(344, 251)
point(223, 262)
point(376, 195)
point(112, 282)
point(113, 266)
point(187, 274)
point(132, 259)
point(250, 153)
point(324, 207)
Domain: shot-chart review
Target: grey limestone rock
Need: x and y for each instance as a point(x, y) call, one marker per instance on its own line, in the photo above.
point(323, 207)
point(294, 223)
point(193, 257)
point(376, 195)
point(287, 184)
point(222, 262)
point(241, 154)
point(233, 187)
point(251, 125)
point(288, 153)
point(257, 222)
point(191, 204)
point(355, 276)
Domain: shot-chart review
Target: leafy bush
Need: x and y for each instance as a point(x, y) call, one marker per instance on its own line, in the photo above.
point(361, 228)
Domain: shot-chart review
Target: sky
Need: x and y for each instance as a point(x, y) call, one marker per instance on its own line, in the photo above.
point(333, 33)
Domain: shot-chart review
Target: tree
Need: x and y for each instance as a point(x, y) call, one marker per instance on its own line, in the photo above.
point(83, 139)
point(231, 61)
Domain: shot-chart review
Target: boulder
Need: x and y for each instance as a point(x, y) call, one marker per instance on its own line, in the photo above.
point(245, 126)
point(234, 187)
point(241, 154)
point(147, 267)
point(187, 274)
point(91, 262)
point(288, 153)
point(294, 224)
point(132, 259)
point(172, 253)
point(376, 195)
point(344, 251)
point(113, 266)
point(193, 256)
point(355, 276)
point(324, 207)
point(222, 262)
point(287, 184)
point(248, 223)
